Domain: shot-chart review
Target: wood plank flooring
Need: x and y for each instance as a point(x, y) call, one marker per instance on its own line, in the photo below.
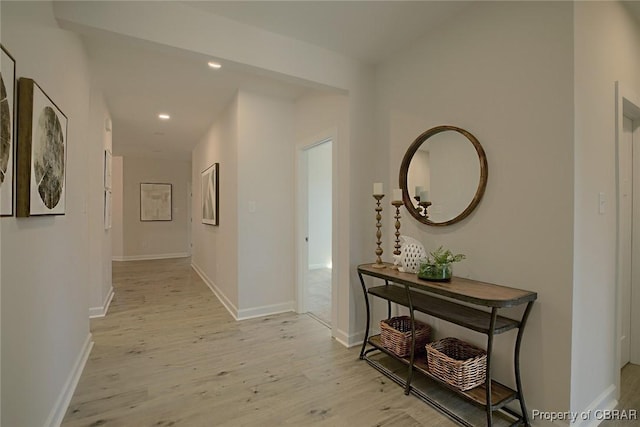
point(169, 354)
point(629, 396)
point(319, 294)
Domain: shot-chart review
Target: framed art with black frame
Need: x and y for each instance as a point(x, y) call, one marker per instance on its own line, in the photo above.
point(210, 196)
point(7, 130)
point(41, 153)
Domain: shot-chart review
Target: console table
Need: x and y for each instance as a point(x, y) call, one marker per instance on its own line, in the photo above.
point(443, 300)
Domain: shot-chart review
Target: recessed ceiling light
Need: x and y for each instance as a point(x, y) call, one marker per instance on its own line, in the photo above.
point(164, 116)
point(214, 65)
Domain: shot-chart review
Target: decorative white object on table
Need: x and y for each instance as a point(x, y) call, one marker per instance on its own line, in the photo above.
point(411, 253)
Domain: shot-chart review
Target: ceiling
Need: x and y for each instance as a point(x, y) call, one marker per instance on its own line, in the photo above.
point(369, 31)
point(139, 80)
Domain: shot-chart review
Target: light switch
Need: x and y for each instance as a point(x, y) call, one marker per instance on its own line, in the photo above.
point(252, 206)
point(601, 203)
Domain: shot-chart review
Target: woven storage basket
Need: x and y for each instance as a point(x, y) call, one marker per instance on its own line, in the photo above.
point(395, 334)
point(457, 363)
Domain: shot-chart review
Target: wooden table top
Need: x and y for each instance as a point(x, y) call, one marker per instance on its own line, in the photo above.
point(474, 291)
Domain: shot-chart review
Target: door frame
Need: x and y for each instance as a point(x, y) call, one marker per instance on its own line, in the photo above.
point(627, 104)
point(301, 196)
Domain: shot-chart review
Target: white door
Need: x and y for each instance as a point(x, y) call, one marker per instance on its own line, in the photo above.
point(626, 229)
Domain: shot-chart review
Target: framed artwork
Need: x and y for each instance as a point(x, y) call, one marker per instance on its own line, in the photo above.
point(41, 153)
point(108, 200)
point(107, 169)
point(155, 202)
point(7, 130)
point(210, 195)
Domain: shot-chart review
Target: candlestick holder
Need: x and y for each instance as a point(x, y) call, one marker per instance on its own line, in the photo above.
point(397, 204)
point(422, 207)
point(379, 263)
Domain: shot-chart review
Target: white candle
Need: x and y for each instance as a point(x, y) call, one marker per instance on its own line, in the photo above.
point(419, 189)
point(378, 189)
point(397, 194)
point(424, 196)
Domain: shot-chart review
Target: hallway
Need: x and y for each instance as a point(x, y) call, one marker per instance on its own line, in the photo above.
point(168, 353)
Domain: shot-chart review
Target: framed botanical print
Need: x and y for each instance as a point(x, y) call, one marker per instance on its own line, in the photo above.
point(155, 202)
point(210, 195)
point(7, 130)
point(41, 153)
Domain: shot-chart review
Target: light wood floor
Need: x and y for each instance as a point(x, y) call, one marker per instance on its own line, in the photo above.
point(319, 294)
point(629, 396)
point(168, 354)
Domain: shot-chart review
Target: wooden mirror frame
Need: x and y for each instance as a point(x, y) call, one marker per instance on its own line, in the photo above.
point(404, 171)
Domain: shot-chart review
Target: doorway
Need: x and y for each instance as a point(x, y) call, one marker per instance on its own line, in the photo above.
point(627, 214)
point(315, 264)
point(628, 192)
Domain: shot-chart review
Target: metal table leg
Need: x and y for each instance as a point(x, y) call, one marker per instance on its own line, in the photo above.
point(516, 364)
point(413, 342)
point(366, 331)
point(492, 327)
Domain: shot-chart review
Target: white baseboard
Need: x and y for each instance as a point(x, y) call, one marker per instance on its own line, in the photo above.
point(606, 401)
point(265, 310)
point(216, 291)
point(102, 311)
point(349, 340)
point(62, 403)
point(317, 266)
point(245, 313)
point(150, 257)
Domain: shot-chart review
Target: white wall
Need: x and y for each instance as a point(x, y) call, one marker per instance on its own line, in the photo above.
point(252, 142)
point(215, 248)
point(155, 239)
point(266, 180)
point(45, 327)
point(607, 49)
point(320, 204)
point(504, 72)
point(100, 239)
point(117, 208)
point(320, 115)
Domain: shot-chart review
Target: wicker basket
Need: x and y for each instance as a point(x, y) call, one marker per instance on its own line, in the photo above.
point(395, 334)
point(457, 363)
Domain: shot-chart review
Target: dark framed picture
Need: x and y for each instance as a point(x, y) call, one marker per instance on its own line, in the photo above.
point(7, 130)
point(41, 153)
point(155, 202)
point(210, 195)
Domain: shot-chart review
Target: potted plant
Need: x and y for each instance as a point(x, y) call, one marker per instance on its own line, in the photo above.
point(437, 266)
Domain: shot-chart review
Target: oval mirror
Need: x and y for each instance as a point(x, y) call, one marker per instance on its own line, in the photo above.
point(447, 166)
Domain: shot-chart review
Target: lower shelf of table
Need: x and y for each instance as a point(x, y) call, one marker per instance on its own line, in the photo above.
point(500, 394)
